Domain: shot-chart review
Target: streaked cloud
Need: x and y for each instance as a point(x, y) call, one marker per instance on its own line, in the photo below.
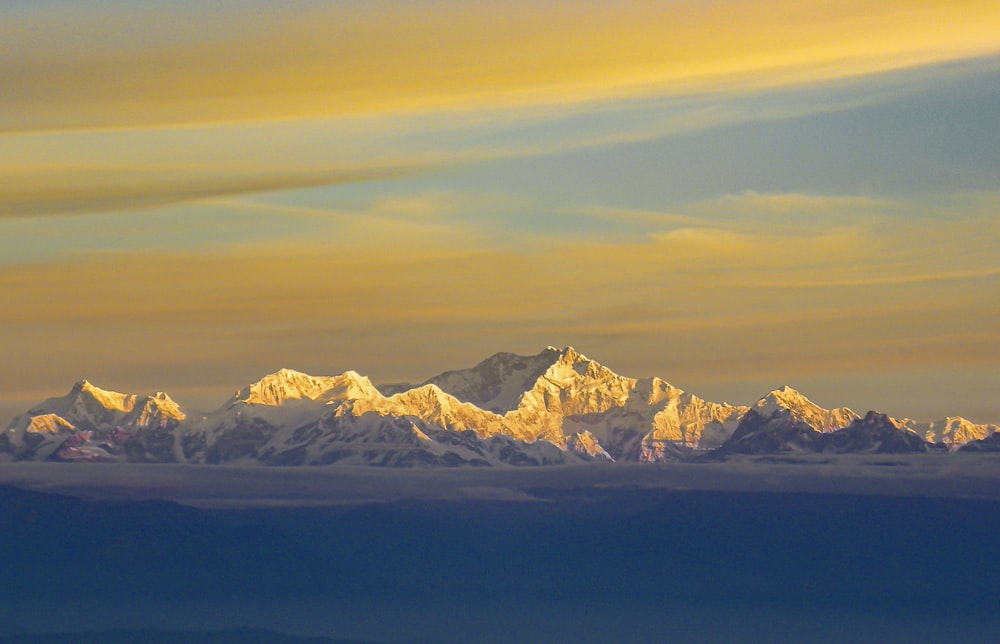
point(728, 190)
point(96, 170)
point(356, 294)
point(72, 65)
point(756, 203)
point(29, 192)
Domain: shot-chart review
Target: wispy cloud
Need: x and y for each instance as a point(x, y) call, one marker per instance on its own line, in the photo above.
point(373, 280)
point(755, 203)
point(28, 192)
point(76, 66)
point(204, 113)
point(149, 165)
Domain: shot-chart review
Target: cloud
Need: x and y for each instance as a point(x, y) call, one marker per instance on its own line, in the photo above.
point(372, 287)
point(74, 65)
point(27, 192)
point(638, 217)
point(755, 203)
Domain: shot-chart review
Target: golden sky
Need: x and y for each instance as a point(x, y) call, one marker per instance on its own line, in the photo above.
point(118, 65)
point(731, 195)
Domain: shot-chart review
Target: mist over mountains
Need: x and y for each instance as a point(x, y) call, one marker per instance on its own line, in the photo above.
point(556, 407)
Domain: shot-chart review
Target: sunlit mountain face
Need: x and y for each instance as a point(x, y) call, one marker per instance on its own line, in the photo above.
point(542, 495)
point(555, 408)
point(708, 199)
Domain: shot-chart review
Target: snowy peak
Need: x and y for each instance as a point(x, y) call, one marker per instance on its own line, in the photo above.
point(85, 392)
point(572, 365)
point(287, 384)
point(90, 423)
point(654, 390)
point(953, 430)
point(555, 406)
point(801, 408)
point(497, 383)
point(88, 405)
point(877, 434)
point(784, 398)
point(574, 385)
point(154, 409)
point(782, 433)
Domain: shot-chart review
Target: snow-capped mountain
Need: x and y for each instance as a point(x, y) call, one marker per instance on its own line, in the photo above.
point(558, 406)
point(801, 408)
point(495, 384)
point(782, 432)
point(876, 433)
point(989, 443)
point(560, 392)
point(291, 418)
point(779, 431)
point(90, 423)
point(953, 430)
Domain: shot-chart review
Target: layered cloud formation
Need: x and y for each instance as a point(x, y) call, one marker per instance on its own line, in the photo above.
point(739, 193)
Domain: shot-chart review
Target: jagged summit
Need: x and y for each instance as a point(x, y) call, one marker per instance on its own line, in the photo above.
point(90, 423)
point(784, 397)
point(580, 364)
point(86, 393)
point(565, 354)
point(497, 383)
point(556, 406)
point(782, 432)
point(801, 408)
point(876, 433)
point(952, 430)
point(87, 400)
point(287, 384)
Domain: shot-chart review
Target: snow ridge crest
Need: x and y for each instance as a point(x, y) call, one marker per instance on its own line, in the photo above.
point(555, 406)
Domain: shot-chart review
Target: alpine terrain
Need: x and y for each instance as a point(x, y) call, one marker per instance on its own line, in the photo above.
point(556, 407)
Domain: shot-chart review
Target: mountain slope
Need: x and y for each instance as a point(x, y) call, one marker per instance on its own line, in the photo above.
point(781, 432)
point(801, 408)
point(290, 418)
point(496, 384)
point(560, 392)
point(953, 430)
point(90, 423)
point(557, 406)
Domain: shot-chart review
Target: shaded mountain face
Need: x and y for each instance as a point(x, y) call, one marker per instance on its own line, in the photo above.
point(496, 384)
point(776, 432)
point(555, 407)
point(782, 433)
point(878, 434)
point(989, 444)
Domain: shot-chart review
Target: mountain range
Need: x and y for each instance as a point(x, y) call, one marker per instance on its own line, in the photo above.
point(556, 407)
